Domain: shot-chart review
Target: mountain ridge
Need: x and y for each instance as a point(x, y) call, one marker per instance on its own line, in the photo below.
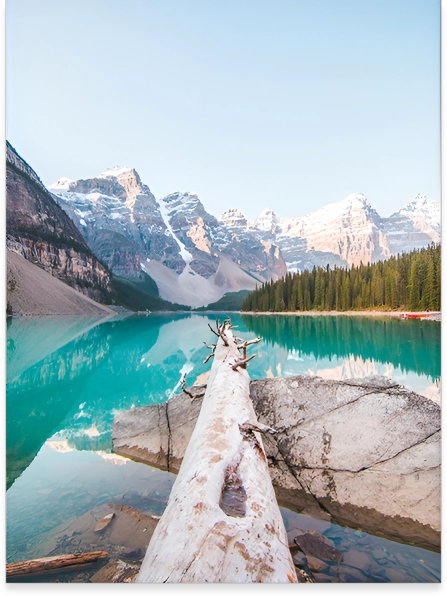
point(194, 258)
point(351, 231)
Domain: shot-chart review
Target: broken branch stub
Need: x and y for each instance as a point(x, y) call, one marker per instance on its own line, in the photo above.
point(197, 394)
point(242, 363)
point(222, 522)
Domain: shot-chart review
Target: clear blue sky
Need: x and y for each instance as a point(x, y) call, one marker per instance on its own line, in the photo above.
point(291, 104)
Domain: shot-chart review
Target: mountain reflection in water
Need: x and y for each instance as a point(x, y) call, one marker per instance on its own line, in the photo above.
point(67, 377)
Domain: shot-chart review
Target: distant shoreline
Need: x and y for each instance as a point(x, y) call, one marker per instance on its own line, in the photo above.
point(334, 313)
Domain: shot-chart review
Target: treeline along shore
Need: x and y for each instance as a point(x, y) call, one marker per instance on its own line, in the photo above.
point(410, 281)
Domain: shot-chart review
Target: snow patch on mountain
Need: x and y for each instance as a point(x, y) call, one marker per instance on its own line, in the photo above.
point(61, 184)
point(233, 218)
point(115, 172)
point(425, 215)
point(266, 222)
point(165, 213)
point(183, 202)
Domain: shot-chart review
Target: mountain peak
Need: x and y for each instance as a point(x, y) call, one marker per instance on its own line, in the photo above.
point(61, 184)
point(425, 214)
point(421, 203)
point(267, 213)
point(266, 222)
point(233, 218)
point(356, 198)
point(181, 200)
point(342, 209)
point(115, 172)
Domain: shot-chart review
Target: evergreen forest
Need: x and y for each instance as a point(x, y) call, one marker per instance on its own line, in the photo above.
point(410, 281)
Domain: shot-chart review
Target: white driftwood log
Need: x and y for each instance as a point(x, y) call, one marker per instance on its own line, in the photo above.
point(195, 540)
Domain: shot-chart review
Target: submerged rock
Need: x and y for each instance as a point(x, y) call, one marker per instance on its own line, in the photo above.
point(363, 452)
point(316, 547)
point(104, 522)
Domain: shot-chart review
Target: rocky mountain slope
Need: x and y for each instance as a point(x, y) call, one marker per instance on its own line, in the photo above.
point(194, 258)
point(34, 291)
point(40, 231)
point(349, 232)
point(416, 225)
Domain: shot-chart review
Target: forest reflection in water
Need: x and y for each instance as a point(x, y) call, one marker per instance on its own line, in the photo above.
point(67, 378)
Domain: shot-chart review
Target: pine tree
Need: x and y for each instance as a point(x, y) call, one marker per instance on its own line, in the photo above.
point(409, 281)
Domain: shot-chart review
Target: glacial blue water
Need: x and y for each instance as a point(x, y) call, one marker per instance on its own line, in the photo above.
point(68, 376)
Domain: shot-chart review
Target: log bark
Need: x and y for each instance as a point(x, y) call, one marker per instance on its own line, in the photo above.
point(52, 563)
point(222, 522)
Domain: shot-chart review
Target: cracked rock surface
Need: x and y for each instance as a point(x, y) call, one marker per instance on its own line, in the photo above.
point(365, 453)
point(159, 434)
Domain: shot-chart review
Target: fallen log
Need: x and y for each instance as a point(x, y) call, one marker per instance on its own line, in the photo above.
point(222, 522)
point(52, 563)
point(398, 432)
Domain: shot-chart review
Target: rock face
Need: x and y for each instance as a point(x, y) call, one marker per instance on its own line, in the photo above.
point(34, 291)
point(252, 253)
point(349, 232)
point(120, 220)
point(194, 258)
point(417, 224)
point(159, 434)
point(39, 230)
point(365, 453)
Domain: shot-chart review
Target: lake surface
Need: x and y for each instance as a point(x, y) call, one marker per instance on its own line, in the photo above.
point(68, 376)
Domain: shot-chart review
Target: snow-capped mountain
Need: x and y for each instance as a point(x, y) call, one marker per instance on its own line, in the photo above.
point(120, 220)
point(416, 225)
point(196, 258)
point(349, 232)
point(193, 258)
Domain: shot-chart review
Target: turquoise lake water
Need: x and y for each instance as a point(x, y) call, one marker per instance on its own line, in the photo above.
point(68, 376)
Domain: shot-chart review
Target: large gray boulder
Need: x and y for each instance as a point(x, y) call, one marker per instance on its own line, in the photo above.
point(365, 453)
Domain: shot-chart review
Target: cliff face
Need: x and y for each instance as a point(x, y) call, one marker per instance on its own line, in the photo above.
point(349, 232)
point(120, 220)
point(39, 230)
point(248, 250)
point(194, 258)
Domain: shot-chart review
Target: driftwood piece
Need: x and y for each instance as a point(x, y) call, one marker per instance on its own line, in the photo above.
point(222, 522)
point(51, 563)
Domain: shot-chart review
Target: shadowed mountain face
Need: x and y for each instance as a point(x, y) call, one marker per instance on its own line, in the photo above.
point(38, 229)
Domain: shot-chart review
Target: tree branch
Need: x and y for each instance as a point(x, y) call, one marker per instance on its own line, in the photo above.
point(242, 363)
